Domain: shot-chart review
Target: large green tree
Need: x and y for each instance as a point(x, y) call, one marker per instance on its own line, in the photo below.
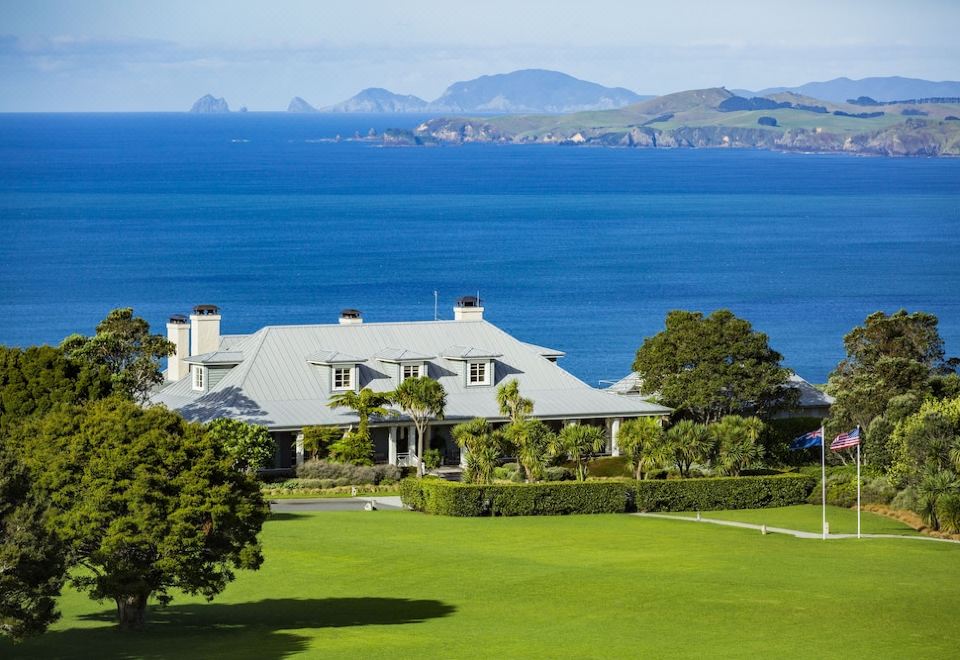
point(124, 346)
point(710, 366)
point(32, 559)
point(146, 503)
point(422, 399)
point(887, 357)
point(36, 379)
point(249, 445)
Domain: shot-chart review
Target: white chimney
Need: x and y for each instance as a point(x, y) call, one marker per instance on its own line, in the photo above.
point(204, 329)
point(468, 309)
point(179, 333)
point(351, 317)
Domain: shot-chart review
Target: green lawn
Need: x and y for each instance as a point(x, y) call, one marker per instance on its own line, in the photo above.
point(807, 517)
point(402, 584)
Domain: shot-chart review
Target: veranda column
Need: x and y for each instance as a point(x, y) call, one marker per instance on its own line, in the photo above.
point(392, 446)
point(614, 432)
point(412, 445)
point(299, 449)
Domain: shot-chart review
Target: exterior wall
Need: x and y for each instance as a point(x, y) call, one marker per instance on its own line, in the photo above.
point(215, 375)
point(204, 333)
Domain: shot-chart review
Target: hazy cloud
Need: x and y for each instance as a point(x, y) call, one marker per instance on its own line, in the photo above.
point(136, 55)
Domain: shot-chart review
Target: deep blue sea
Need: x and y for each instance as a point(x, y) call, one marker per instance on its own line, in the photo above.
point(580, 249)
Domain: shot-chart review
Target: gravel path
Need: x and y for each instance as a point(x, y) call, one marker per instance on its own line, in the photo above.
point(791, 532)
point(335, 504)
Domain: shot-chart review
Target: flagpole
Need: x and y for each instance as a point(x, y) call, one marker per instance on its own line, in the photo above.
point(858, 486)
point(823, 482)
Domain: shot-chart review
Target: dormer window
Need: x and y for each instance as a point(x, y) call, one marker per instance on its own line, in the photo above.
point(199, 377)
point(478, 373)
point(411, 371)
point(343, 378)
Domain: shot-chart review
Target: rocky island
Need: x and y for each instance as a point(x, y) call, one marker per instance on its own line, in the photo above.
point(209, 104)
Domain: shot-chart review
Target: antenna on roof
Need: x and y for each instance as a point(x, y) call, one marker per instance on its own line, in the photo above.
point(435, 315)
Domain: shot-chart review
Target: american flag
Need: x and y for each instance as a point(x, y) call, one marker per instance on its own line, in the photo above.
point(844, 440)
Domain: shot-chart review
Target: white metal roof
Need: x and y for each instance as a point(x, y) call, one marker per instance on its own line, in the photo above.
point(275, 384)
point(216, 357)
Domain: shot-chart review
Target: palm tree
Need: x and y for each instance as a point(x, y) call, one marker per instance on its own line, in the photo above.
point(366, 404)
point(579, 442)
point(422, 399)
point(689, 443)
point(644, 443)
point(530, 438)
point(736, 439)
point(935, 485)
point(356, 446)
point(483, 447)
point(512, 405)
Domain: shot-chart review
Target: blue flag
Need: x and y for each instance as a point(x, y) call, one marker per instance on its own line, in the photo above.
point(808, 440)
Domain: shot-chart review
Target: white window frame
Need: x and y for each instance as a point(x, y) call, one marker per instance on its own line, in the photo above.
point(343, 386)
point(199, 377)
point(418, 366)
point(485, 366)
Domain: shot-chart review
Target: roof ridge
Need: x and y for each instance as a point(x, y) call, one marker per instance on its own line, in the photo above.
point(359, 325)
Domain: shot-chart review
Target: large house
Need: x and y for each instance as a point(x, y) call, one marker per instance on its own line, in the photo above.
point(283, 377)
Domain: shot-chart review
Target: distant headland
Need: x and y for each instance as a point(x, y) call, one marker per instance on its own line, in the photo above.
point(891, 116)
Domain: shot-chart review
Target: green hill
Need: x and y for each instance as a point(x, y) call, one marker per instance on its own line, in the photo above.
point(716, 117)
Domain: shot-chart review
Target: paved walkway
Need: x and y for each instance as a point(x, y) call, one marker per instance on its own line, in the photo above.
point(791, 532)
point(335, 504)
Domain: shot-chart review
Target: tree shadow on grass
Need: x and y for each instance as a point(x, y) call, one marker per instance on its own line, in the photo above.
point(284, 515)
point(240, 630)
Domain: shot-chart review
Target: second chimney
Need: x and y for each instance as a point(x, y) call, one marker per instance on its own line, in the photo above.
point(351, 317)
point(468, 309)
point(204, 329)
point(178, 332)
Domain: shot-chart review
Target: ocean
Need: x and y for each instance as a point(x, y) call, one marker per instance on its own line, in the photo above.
point(580, 249)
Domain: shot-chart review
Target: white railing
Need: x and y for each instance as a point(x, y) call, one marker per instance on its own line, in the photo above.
point(408, 459)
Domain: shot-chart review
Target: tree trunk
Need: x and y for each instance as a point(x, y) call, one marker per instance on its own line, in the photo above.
point(131, 611)
point(420, 470)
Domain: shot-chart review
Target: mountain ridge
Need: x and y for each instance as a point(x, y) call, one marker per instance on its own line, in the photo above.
point(881, 88)
point(521, 91)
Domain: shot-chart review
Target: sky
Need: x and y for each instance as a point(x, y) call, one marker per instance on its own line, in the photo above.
point(131, 55)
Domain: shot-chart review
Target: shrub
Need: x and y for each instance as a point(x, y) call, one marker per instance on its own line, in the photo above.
point(605, 466)
point(558, 474)
point(767, 121)
point(432, 459)
point(503, 473)
point(347, 474)
point(877, 491)
point(522, 499)
point(722, 493)
point(906, 500)
point(317, 439)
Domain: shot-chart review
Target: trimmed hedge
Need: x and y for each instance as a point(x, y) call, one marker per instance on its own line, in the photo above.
point(714, 494)
point(447, 498)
